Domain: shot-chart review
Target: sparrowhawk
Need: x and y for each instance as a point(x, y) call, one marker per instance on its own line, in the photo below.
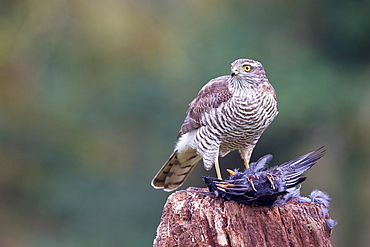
point(230, 112)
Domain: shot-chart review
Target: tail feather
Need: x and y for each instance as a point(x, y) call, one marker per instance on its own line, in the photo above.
point(175, 171)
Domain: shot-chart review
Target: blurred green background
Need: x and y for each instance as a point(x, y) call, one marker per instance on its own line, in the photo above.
point(93, 94)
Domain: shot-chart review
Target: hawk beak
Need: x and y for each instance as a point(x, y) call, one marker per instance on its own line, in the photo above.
point(234, 72)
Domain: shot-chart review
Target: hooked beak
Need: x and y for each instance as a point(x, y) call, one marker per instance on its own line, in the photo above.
point(234, 72)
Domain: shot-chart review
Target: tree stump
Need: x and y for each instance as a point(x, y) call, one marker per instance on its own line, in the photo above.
point(193, 217)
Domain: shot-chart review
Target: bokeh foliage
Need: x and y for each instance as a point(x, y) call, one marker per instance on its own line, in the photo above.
point(93, 93)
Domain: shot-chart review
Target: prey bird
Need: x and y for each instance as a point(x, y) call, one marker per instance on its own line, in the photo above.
point(261, 186)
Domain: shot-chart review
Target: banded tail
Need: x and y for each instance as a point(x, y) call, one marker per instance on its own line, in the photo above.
point(175, 171)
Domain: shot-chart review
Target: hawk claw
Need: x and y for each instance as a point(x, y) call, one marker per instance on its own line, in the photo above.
point(250, 177)
point(271, 178)
point(231, 172)
point(225, 185)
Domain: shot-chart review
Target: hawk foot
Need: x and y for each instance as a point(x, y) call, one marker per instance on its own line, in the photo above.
point(271, 178)
point(250, 177)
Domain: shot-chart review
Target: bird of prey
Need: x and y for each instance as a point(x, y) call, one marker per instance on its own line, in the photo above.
point(261, 186)
point(229, 113)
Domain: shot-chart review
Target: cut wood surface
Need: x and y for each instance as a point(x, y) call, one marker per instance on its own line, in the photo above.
point(194, 217)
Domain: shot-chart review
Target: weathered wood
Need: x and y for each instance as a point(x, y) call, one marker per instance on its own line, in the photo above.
point(194, 218)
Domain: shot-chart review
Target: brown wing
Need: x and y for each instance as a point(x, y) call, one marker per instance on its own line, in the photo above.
point(212, 95)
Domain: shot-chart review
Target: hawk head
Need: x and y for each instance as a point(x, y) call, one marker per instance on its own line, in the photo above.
point(247, 71)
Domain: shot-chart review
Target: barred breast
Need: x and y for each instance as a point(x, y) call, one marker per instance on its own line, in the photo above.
point(237, 124)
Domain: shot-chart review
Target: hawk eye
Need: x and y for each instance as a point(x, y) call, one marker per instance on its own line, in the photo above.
point(247, 68)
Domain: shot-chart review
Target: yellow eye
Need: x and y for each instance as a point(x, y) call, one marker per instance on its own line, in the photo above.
point(247, 68)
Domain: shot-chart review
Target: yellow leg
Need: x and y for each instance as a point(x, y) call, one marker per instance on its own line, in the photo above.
point(218, 172)
point(246, 163)
point(246, 153)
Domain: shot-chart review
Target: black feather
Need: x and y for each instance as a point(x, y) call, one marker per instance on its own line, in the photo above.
point(261, 186)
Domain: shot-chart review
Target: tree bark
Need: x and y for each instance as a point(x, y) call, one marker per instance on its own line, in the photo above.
point(196, 218)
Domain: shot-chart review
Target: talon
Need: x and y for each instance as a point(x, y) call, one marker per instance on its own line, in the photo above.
point(271, 178)
point(225, 185)
point(250, 177)
point(222, 189)
point(231, 172)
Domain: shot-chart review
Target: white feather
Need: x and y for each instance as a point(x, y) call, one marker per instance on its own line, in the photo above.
point(186, 142)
